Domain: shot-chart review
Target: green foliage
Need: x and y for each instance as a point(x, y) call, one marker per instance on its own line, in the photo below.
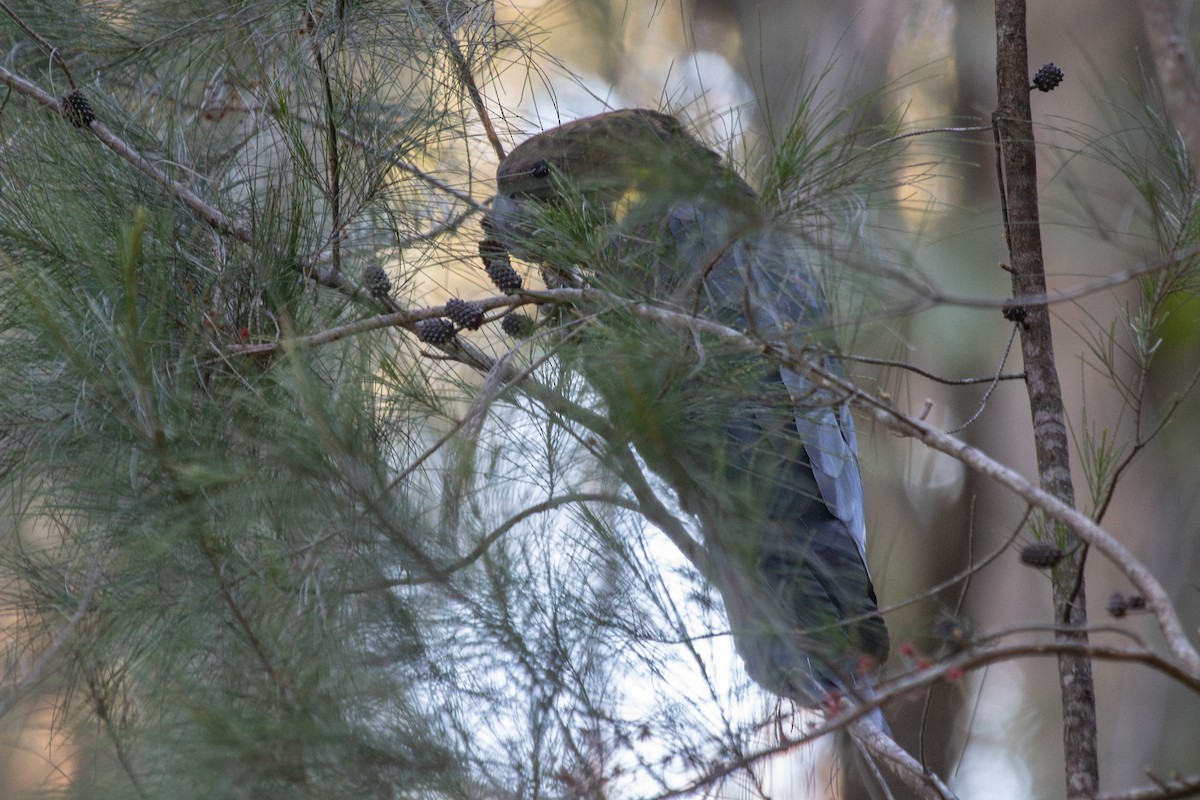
point(271, 546)
point(274, 569)
point(216, 537)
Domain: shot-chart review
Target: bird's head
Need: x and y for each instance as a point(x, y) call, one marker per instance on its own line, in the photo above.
point(613, 167)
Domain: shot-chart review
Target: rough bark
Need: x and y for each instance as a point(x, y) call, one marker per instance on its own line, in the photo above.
point(1017, 164)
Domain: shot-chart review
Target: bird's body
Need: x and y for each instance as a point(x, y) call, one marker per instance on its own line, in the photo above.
point(765, 461)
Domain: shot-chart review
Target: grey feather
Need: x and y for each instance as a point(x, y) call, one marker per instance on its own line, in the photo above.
point(766, 461)
point(809, 570)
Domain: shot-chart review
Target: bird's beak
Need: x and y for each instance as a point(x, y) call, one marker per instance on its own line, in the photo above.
point(504, 215)
point(510, 222)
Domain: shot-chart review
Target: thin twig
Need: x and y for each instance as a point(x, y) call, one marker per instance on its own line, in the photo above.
point(397, 319)
point(441, 229)
point(333, 158)
point(926, 131)
point(485, 542)
point(1081, 524)
point(886, 414)
point(950, 670)
point(933, 376)
point(991, 388)
point(1065, 295)
point(1142, 441)
point(49, 48)
point(210, 214)
point(465, 76)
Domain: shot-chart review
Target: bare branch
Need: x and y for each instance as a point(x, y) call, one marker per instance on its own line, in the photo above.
point(886, 414)
point(330, 278)
point(951, 670)
point(49, 48)
point(494, 535)
point(465, 76)
point(933, 376)
point(406, 318)
point(1079, 523)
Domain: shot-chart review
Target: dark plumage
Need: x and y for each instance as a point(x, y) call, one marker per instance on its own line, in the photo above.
point(764, 460)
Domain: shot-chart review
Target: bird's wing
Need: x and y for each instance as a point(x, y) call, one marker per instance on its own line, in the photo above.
point(796, 443)
point(759, 282)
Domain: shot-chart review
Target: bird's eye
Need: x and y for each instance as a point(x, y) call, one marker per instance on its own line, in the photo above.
point(540, 170)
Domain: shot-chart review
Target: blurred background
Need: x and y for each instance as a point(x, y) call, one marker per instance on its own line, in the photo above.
point(734, 69)
point(737, 72)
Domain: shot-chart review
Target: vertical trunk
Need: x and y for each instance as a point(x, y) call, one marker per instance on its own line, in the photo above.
point(1018, 176)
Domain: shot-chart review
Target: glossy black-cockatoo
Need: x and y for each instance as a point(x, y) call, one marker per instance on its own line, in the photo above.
point(628, 202)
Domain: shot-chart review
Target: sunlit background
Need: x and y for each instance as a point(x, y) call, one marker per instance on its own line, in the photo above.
point(733, 69)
